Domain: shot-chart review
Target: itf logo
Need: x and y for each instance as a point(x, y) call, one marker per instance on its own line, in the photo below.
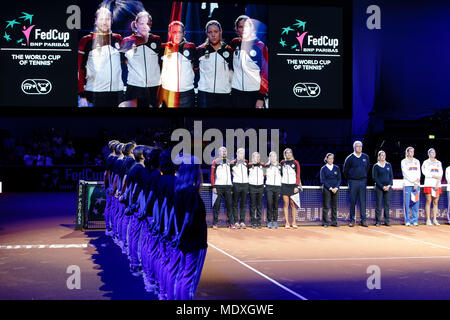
point(306, 90)
point(36, 86)
point(22, 32)
point(293, 35)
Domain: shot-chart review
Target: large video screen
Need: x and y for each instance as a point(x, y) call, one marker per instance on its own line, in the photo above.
point(187, 55)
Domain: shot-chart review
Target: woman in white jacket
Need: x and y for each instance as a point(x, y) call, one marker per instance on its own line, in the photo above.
point(432, 170)
point(447, 177)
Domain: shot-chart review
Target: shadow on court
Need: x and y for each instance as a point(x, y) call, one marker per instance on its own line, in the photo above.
point(113, 270)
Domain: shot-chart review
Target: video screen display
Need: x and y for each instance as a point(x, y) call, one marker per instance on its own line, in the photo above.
point(194, 55)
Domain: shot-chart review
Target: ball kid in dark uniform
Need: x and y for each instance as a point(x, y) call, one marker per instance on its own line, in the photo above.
point(117, 207)
point(99, 64)
point(169, 266)
point(149, 249)
point(239, 169)
point(128, 162)
point(136, 175)
point(177, 74)
point(273, 173)
point(122, 220)
point(256, 189)
point(221, 185)
point(142, 51)
point(250, 65)
point(106, 181)
point(214, 62)
point(290, 185)
point(191, 219)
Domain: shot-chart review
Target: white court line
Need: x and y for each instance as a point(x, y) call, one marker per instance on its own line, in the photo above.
point(260, 273)
point(44, 246)
point(411, 239)
point(346, 259)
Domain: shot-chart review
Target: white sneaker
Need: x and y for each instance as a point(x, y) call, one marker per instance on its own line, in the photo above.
point(415, 224)
point(429, 223)
point(407, 224)
point(436, 223)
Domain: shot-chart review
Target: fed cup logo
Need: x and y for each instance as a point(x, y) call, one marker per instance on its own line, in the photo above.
point(25, 31)
point(293, 35)
point(306, 90)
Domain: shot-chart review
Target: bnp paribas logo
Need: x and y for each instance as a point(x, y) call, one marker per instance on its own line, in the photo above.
point(293, 35)
point(18, 30)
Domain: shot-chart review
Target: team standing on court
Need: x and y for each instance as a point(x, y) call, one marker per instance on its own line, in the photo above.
point(154, 211)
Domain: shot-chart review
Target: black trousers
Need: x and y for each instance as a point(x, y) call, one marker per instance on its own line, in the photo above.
point(244, 99)
point(327, 197)
point(223, 192)
point(213, 100)
point(357, 190)
point(240, 194)
point(256, 203)
point(273, 199)
point(146, 97)
point(105, 99)
point(386, 197)
point(172, 99)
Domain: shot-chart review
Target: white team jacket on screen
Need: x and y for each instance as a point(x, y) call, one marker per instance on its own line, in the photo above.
point(256, 174)
point(447, 177)
point(239, 169)
point(250, 66)
point(177, 70)
point(273, 175)
point(432, 169)
point(215, 68)
point(143, 61)
point(410, 171)
point(101, 63)
point(220, 173)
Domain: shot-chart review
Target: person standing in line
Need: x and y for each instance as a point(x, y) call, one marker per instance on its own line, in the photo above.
point(290, 185)
point(191, 240)
point(273, 189)
point(432, 170)
point(330, 179)
point(99, 64)
point(214, 61)
point(447, 177)
point(411, 185)
point(384, 178)
point(107, 184)
point(250, 64)
point(142, 52)
point(239, 169)
point(177, 74)
point(221, 185)
point(356, 168)
point(256, 189)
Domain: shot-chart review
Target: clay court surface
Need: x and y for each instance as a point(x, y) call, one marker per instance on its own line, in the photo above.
point(310, 262)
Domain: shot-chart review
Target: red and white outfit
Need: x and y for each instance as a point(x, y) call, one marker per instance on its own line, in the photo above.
point(430, 169)
point(250, 77)
point(290, 178)
point(99, 63)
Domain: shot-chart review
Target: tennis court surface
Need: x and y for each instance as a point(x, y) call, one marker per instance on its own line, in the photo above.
point(38, 244)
